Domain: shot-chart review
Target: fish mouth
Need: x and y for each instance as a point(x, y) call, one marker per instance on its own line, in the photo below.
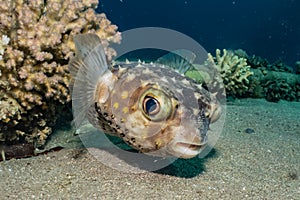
point(188, 150)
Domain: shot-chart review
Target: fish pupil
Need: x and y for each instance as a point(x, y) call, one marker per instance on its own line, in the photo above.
point(151, 105)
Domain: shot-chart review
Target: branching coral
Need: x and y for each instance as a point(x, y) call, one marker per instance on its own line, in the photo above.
point(34, 75)
point(233, 70)
point(261, 80)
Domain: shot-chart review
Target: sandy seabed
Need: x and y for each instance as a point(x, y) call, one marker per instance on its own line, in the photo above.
point(260, 165)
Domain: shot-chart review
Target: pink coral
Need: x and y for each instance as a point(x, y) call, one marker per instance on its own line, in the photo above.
point(34, 64)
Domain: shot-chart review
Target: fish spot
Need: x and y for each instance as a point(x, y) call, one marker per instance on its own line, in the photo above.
point(112, 116)
point(98, 111)
point(97, 108)
point(157, 144)
point(122, 120)
point(105, 114)
point(122, 135)
point(128, 142)
point(125, 110)
point(146, 123)
point(117, 127)
point(133, 108)
point(114, 130)
point(207, 114)
point(133, 140)
point(124, 94)
point(116, 105)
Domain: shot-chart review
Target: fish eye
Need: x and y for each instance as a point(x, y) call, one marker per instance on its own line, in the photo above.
point(155, 104)
point(151, 105)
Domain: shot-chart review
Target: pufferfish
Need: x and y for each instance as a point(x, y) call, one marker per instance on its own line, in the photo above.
point(153, 107)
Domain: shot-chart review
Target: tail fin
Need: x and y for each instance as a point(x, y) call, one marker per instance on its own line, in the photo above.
point(88, 65)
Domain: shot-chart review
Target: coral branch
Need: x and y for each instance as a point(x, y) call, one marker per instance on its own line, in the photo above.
point(35, 47)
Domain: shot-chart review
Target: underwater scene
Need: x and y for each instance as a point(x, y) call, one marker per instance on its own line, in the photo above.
point(128, 99)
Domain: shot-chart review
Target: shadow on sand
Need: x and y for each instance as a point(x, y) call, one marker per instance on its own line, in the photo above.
point(187, 168)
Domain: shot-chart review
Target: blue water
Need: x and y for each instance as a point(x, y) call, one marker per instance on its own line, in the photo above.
point(267, 28)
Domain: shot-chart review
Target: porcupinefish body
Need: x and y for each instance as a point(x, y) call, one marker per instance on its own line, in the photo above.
point(153, 107)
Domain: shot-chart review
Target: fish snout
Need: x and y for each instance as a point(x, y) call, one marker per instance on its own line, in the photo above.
point(188, 144)
point(187, 150)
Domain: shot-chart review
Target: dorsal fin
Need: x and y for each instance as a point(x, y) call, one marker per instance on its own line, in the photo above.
point(180, 60)
point(84, 43)
point(88, 65)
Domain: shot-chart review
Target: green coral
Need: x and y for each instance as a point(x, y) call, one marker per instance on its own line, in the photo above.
point(281, 85)
point(273, 81)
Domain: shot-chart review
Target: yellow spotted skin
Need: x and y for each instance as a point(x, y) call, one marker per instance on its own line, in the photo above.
point(124, 94)
point(116, 105)
point(125, 110)
point(184, 108)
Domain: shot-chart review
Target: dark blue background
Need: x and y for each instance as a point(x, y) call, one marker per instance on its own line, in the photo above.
point(268, 28)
